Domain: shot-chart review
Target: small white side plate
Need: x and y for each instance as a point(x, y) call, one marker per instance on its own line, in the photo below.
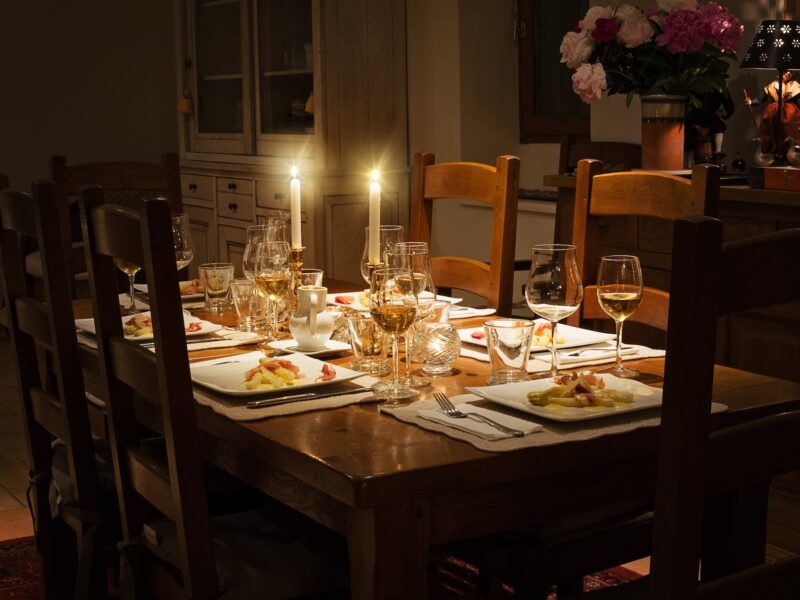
point(331, 347)
point(205, 326)
point(574, 337)
point(142, 287)
point(360, 302)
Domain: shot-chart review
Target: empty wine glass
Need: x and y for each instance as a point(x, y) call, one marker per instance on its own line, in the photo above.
point(388, 238)
point(182, 239)
point(256, 234)
point(619, 291)
point(554, 290)
point(273, 276)
point(277, 222)
point(130, 270)
point(393, 308)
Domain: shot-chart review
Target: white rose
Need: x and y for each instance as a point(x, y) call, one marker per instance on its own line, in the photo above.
point(635, 33)
point(594, 13)
point(627, 12)
point(589, 82)
point(670, 5)
point(576, 48)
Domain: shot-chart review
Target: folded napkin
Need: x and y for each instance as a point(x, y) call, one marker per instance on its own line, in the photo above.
point(482, 430)
point(465, 312)
point(125, 301)
point(602, 351)
point(225, 338)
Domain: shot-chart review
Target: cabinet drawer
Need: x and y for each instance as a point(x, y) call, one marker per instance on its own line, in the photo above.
point(235, 206)
point(197, 186)
point(272, 194)
point(235, 186)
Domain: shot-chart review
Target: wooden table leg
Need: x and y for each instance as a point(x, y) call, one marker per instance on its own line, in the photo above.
point(388, 548)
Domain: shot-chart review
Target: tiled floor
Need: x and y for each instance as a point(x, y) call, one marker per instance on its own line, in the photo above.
point(15, 521)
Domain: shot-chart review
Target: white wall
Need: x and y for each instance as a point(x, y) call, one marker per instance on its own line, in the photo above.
point(93, 80)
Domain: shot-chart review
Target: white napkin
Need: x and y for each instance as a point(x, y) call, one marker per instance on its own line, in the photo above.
point(479, 428)
point(601, 351)
point(125, 300)
point(465, 312)
point(226, 338)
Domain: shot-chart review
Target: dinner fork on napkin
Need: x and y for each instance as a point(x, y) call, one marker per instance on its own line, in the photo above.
point(478, 428)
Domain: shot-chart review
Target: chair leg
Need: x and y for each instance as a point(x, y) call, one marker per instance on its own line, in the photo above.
point(58, 557)
point(570, 587)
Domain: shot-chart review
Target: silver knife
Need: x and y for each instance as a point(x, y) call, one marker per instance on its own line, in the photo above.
point(297, 397)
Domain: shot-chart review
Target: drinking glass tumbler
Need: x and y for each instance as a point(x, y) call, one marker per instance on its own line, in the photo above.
point(251, 305)
point(368, 343)
point(509, 344)
point(216, 278)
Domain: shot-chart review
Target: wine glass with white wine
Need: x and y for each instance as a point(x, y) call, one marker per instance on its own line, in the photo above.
point(273, 275)
point(130, 270)
point(619, 292)
point(554, 290)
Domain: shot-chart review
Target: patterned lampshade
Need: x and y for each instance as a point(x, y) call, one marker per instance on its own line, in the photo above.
point(776, 45)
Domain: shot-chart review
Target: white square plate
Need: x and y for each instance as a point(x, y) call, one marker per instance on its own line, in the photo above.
point(360, 300)
point(227, 378)
point(573, 337)
point(515, 395)
point(205, 326)
point(183, 286)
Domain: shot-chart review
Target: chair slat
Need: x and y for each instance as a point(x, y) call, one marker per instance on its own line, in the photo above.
point(150, 477)
point(48, 413)
point(33, 319)
point(18, 213)
point(136, 367)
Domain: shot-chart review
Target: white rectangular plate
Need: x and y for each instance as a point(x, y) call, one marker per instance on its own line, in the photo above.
point(361, 302)
point(573, 337)
point(205, 327)
point(227, 378)
point(183, 285)
point(515, 395)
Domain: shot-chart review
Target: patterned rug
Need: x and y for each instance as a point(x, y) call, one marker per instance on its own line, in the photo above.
point(19, 569)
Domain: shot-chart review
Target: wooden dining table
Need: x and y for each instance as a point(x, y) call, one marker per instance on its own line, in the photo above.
point(394, 490)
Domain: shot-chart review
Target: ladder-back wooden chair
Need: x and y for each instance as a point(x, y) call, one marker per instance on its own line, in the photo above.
point(695, 461)
point(173, 555)
point(53, 402)
point(634, 194)
point(126, 184)
point(496, 186)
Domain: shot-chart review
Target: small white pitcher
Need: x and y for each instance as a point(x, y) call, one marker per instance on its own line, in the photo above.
point(311, 325)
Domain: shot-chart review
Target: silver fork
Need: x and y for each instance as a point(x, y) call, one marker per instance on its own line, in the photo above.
point(451, 411)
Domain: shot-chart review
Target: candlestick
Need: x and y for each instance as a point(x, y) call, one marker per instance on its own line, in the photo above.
point(374, 252)
point(294, 203)
point(295, 264)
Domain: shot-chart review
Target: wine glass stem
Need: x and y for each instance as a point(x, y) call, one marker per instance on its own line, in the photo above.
point(131, 291)
point(274, 318)
point(395, 362)
point(408, 353)
point(618, 362)
point(553, 363)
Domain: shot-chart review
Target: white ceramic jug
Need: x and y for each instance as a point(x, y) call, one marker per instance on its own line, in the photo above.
point(311, 325)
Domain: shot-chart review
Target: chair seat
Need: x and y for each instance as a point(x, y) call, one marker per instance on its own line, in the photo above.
point(33, 263)
point(259, 556)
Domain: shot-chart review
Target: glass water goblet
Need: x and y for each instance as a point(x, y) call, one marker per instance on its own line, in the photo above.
point(389, 236)
point(393, 309)
point(273, 276)
point(182, 239)
point(619, 292)
point(554, 290)
point(130, 270)
point(255, 235)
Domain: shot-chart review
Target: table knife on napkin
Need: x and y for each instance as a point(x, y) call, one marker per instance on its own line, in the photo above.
point(298, 397)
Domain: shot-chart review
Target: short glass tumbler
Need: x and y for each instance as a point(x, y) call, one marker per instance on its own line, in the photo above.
point(216, 278)
point(509, 343)
point(251, 305)
point(437, 345)
point(368, 343)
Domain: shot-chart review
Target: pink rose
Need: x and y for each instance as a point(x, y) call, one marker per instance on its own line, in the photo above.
point(671, 5)
point(684, 31)
point(722, 28)
point(576, 48)
point(589, 82)
point(594, 13)
point(628, 12)
point(605, 30)
point(635, 32)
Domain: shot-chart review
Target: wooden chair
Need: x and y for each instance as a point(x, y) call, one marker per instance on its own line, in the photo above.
point(495, 186)
point(126, 184)
point(694, 460)
point(619, 156)
point(174, 556)
point(53, 404)
point(636, 194)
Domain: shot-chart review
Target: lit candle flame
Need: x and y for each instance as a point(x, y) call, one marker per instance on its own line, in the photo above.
point(375, 175)
point(294, 172)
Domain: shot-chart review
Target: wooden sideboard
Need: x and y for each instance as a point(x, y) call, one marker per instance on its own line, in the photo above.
point(766, 341)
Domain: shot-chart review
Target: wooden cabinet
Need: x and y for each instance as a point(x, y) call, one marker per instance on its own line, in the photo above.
point(276, 83)
point(232, 241)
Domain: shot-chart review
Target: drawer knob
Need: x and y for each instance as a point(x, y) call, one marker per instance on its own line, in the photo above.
point(192, 186)
point(278, 196)
point(232, 206)
point(231, 186)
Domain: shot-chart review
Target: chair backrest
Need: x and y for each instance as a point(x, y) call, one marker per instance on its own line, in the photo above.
point(620, 156)
point(707, 283)
point(639, 194)
point(3, 181)
point(174, 486)
point(496, 186)
point(43, 335)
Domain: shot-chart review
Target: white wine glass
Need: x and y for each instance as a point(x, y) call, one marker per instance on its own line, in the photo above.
point(414, 257)
point(393, 308)
point(554, 290)
point(273, 275)
point(389, 236)
point(619, 292)
point(256, 234)
point(182, 239)
point(130, 270)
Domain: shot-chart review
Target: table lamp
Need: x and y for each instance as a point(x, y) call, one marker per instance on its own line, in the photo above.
point(775, 45)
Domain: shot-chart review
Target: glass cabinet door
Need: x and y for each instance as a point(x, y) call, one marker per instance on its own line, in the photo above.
point(221, 73)
point(284, 67)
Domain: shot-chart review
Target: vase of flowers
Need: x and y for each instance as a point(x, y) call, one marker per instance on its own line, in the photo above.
point(672, 54)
